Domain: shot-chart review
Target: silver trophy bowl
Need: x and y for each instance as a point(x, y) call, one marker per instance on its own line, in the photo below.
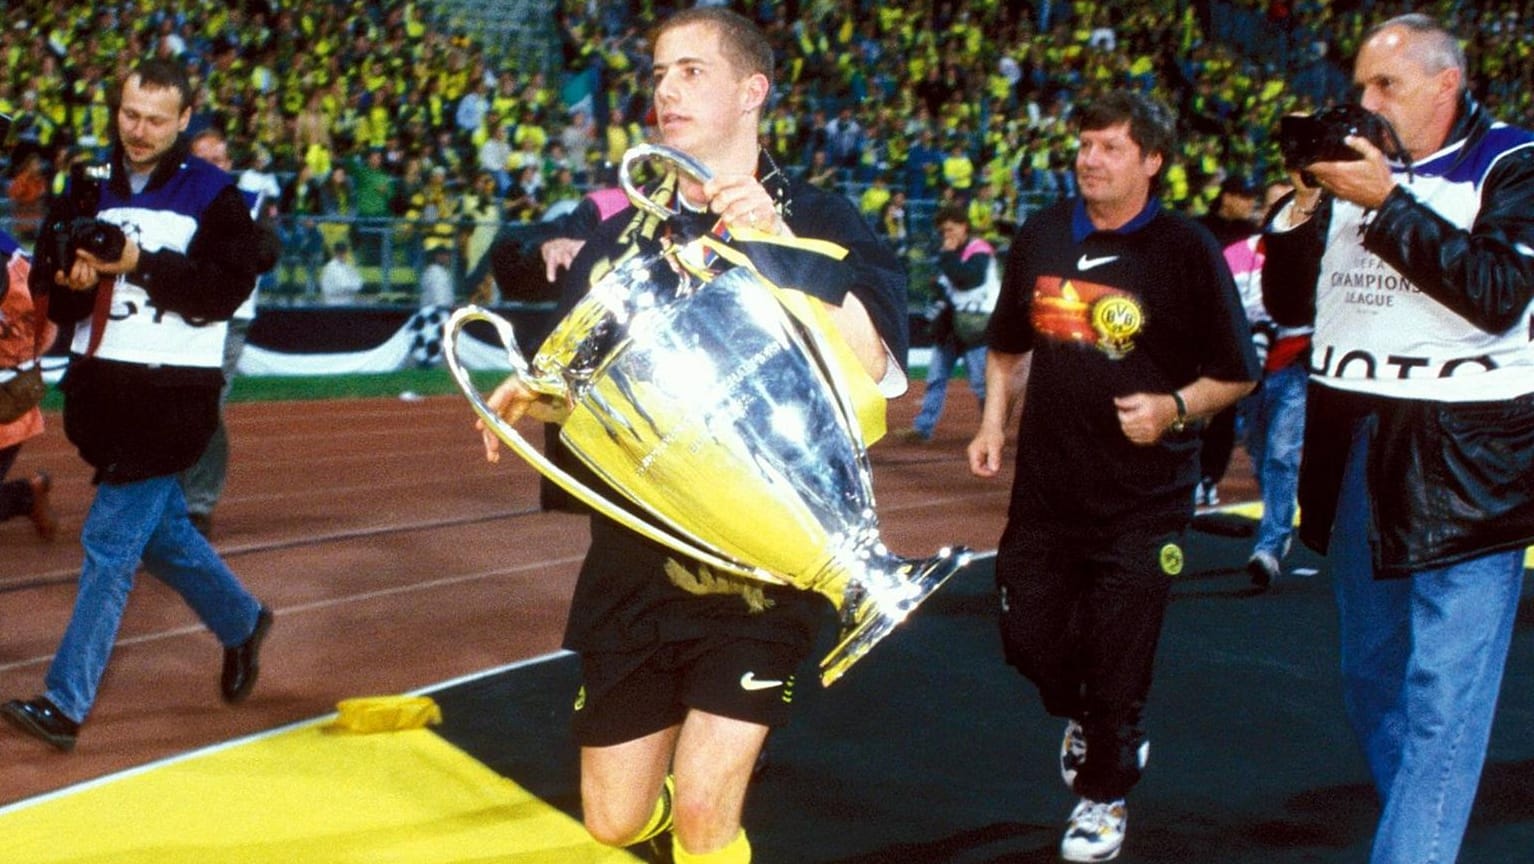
point(721, 420)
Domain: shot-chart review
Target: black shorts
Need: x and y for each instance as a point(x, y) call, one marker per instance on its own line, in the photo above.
point(625, 696)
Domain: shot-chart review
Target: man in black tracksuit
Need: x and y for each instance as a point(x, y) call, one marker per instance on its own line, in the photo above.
point(1121, 321)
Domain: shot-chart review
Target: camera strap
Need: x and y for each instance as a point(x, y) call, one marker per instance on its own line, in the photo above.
point(100, 313)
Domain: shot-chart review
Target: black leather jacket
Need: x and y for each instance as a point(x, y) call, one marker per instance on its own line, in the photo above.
point(1448, 481)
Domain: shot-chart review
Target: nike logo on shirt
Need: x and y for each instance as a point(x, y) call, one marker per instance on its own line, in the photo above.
point(749, 681)
point(1085, 263)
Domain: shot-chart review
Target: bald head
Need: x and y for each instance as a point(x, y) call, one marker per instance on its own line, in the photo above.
point(1422, 40)
point(1411, 72)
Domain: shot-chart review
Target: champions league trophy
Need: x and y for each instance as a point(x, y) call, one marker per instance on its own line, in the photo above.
point(722, 419)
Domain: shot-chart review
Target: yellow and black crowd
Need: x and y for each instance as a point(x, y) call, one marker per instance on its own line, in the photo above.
point(394, 110)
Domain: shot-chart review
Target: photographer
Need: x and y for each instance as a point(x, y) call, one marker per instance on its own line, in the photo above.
point(148, 263)
point(1419, 280)
point(968, 282)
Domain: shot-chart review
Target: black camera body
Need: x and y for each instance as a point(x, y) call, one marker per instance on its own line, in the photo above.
point(101, 239)
point(1306, 139)
point(74, 226)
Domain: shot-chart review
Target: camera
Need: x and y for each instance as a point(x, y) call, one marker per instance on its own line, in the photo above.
point(63, 237)
point(102, 239)
point(70, 229)
point(1319, 137)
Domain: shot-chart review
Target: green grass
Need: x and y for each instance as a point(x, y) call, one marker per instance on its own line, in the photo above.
point(299, 388)
point(425, 382)
point(305, 388)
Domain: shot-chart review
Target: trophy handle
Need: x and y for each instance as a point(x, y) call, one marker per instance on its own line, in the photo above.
point(640, 152)
point(533, 456)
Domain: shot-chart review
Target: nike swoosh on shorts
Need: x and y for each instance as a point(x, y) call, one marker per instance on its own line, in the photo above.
point(749, 681)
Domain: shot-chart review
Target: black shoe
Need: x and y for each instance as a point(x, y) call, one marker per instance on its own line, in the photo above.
point(242, 662)
point(43, 720)
point(1263, 568)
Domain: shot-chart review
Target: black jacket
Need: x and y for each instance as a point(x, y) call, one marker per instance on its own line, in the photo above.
point(132, 420)
point(1449, 481)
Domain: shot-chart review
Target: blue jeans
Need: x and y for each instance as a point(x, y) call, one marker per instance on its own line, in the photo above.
point(1422, 661)
point(939, 369)
point(1275, 431)
point(127, 523)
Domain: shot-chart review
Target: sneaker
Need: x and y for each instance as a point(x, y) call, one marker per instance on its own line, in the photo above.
point(1095, 831)
point(1207, 494)
point(1263, 568)
point(914, 435)
point(1073, 752)
point(41, 514)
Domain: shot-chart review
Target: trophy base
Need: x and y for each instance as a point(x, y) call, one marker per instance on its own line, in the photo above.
point(872, 615)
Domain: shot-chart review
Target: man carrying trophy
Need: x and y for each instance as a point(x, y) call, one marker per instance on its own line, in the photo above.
point(686, 668)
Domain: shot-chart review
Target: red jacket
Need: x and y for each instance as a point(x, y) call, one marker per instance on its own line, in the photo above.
point(18, 343)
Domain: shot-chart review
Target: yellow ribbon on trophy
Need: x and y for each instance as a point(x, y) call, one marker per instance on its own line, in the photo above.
point(862, 391)
point(699, 258)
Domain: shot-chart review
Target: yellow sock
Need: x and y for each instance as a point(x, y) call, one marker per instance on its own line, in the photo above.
point(737, 851)
point(660, 820)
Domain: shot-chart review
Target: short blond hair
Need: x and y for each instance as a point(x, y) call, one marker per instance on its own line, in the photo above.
point(744, 43)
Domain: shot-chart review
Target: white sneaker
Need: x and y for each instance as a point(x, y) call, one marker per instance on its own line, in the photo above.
point(1095, 831)
point(1073, 751)
point(1206, 494)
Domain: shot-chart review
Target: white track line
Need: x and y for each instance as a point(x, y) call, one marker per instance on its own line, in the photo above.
point(162, 635)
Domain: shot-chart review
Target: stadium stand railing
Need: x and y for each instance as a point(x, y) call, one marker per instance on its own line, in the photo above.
point(390, 255)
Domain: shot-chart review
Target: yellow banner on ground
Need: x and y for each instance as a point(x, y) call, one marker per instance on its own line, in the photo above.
point(304, 795)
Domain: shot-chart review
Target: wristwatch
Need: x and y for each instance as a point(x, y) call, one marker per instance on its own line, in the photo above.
point(1181, 421)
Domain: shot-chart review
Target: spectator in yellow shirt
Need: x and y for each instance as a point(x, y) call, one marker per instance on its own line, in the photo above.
point(958, 169)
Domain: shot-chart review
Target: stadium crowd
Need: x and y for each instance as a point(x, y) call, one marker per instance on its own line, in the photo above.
point(388, 114)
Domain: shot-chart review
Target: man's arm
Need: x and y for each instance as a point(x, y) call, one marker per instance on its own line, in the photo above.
point(1292, 263)
point(220, 266)
point(1145, 417)
point(873, 316)
point(1484, 274)
point(1006, 380)
point(1228, 363)
point(865, 293)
